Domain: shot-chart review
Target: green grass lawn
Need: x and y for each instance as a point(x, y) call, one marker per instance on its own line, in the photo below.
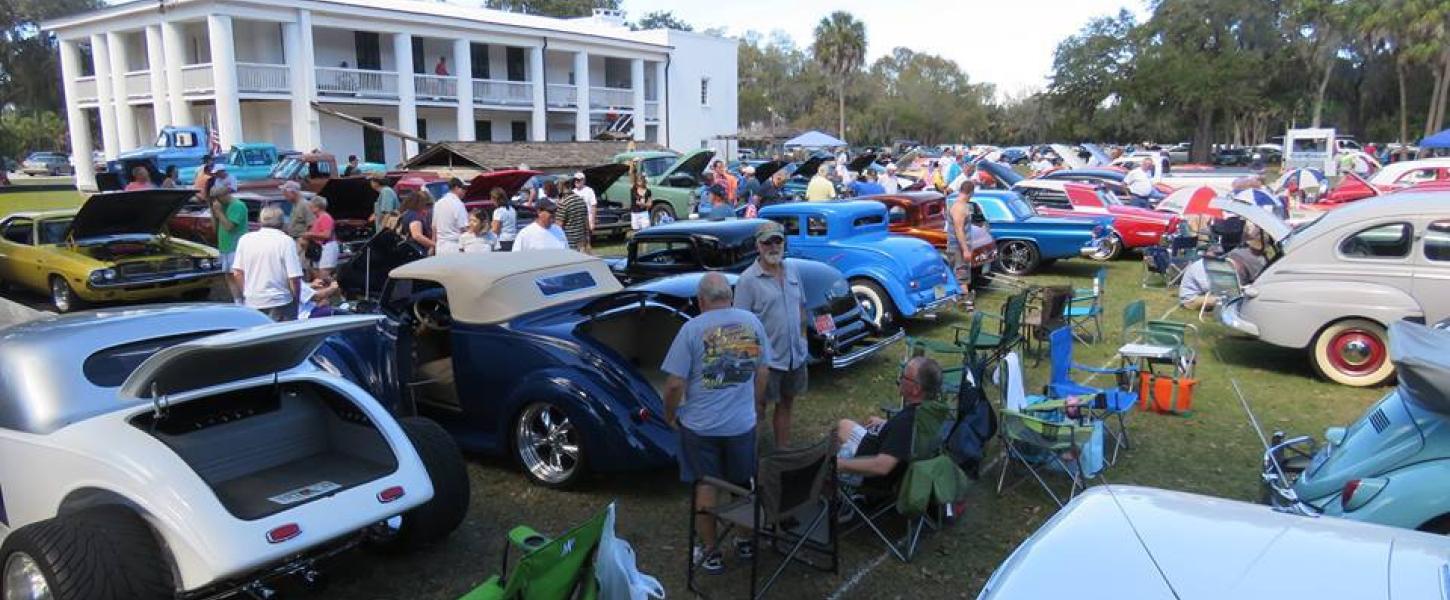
point(1212, 452)
point(14, 202)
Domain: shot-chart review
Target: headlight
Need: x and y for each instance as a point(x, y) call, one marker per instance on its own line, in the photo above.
point(100, 275)
point(839, 289)
point(1251, 291)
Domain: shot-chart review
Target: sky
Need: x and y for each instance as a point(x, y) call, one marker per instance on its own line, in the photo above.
point(1008, 43)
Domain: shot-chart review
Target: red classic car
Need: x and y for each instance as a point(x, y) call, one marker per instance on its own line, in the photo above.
point(920, 215)
point(1396, 176)
point(1133, 227)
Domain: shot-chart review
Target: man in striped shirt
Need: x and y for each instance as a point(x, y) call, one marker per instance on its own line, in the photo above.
point(574, 218)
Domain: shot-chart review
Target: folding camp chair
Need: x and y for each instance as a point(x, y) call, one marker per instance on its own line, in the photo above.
point(1171, 257)
point(1223, 283)
point(1038, 439)
point(1008, 336)
point(1107, 402)
point(1086, 305)
point(1044, 314)
point(550, 569)
point(792, 505)
point(946, 353)
point(1158, 341)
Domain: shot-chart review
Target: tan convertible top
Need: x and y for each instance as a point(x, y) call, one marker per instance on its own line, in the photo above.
point(498, 286)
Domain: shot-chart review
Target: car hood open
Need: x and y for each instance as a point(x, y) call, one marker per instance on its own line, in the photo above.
point(1001, 172)
point(600, 177)
point(808, 168)
point(235, 355)
point(860, 162)
point(692, 163)
point(511, 180)
point(1263, 219)
point(118, 213)
point(765, 170)
point(349, 198)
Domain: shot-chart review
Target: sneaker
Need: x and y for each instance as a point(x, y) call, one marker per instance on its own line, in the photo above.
point(710, 562)
point(744, 548)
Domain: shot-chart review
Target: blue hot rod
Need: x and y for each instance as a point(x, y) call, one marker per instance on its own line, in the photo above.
point(1027, 240)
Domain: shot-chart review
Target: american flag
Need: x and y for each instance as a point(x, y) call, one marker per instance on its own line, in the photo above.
point(213, 140)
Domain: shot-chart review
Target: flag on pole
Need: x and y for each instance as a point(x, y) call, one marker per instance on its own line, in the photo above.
point(213, 140)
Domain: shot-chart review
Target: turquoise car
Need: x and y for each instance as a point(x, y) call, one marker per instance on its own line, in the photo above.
point(246, 162)
point(1390, 467)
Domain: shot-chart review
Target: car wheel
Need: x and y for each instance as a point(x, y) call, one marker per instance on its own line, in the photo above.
point(62, 296)
point(549, 446)
point(659, 211)
point(102, 553)
point(1110, 249)
point(1018, 257)
point(876, 305)
point(1353, 352)
point(435, 519)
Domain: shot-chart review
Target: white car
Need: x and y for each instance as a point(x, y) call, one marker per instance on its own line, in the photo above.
point(196, 451)
point(1115, 542)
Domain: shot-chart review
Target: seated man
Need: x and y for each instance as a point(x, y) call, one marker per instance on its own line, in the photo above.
point(1195, 290)
point(881, 448)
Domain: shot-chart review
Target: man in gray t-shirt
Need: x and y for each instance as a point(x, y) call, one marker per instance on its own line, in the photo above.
point(771, 289)
point(717, 367)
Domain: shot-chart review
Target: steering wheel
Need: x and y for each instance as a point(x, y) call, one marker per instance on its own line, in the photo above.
point(432, 314)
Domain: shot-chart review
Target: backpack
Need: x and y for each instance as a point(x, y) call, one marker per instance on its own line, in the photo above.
point(966, 438)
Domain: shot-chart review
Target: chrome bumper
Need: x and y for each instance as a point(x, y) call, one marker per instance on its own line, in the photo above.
point(935, 304)
point(1278, 483)
point(1228, 315)
point(177, 278)
point(860, 353)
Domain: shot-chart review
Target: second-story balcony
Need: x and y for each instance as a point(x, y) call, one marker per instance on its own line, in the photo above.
point(357, 83)
point(197, 79)
point(497, 92)
point(138, 85)
point(435, 87)
point(262, 78)
point(608, 98)
point(86, 89)
point(559, 95)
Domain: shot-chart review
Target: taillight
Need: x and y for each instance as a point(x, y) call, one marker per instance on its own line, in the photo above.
point(284, 533)
point(642, 415)
point(391, 494)
point(1347, 496)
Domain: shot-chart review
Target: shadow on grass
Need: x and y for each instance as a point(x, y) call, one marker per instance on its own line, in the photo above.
point(1253, 354)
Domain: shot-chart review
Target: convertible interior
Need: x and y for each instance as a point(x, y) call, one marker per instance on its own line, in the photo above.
point(642, 335)
point(432, 383)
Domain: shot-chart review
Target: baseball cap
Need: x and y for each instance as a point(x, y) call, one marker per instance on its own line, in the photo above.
point(545, 205)
point(891, 167)
point(578, 175)
point(290, 186)
point(768, 230)
point(748, 170)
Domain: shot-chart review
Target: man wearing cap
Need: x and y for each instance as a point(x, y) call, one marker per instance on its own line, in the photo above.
point(450, 218)
point(230, 218)
point(720, 207)
point(770, 192)
point(221, 178)
point(299, 217)
point(749, 187)
point(591, 202)
point(574, 218)
point(888, 181)
point(386, 204)
point(771, 289)
point(543, 233)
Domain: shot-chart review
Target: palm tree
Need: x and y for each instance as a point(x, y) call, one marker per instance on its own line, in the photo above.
point(840, 48)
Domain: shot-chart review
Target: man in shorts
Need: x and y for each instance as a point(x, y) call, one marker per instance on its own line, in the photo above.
point(882, 447)
point(959, 239)
point(717, 368)
point(771, 289)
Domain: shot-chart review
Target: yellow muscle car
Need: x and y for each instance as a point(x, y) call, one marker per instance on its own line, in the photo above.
point(114, 248)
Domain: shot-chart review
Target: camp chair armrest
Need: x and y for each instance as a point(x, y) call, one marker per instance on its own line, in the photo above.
point(1105, 371)
point(725, 485)
point(526, 538)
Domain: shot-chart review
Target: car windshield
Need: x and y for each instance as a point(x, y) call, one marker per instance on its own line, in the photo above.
point(654, 167)
point(53, 231)
point(287, 169)
point(1019, 207)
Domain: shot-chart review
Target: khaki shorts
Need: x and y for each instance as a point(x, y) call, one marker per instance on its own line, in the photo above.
point(789, 383)
point(961, 267)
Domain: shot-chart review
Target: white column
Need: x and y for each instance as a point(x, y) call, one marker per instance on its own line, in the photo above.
point(156, 61)
point(407, 107)
point(664, 138)
point(581, 94)
point(463, 64)
point(125, 116)
point(539, 126)
point(80, 128)
point(224, 80)
point(101, 55)
point(173, 45)
point(297, 80)
point(308, 68)
point(636, 81)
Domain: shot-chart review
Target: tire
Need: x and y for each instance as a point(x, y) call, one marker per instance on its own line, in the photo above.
point(659, 211)
point(1353, 352)
point(876, 304)
point(1018, 257)
point(102, 553)
point(62, 297)
point(1110, 250)
point(435, 519)
point(542, 436)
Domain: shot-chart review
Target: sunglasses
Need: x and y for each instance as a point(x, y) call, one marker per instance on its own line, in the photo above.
point(772, 242)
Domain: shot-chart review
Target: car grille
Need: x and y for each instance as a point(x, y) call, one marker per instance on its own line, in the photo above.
point(159, 268)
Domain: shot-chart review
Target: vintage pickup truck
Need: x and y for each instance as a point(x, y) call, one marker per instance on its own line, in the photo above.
point(175, 146)
point(245, 162)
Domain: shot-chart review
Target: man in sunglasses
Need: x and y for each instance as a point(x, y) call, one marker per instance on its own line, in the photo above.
point(771, 288)
point(882, 447)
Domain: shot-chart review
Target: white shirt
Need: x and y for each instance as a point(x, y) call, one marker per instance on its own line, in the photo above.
point(590, 200)
point(472, 244)
point(507, 218)
point(535, 237)
point(450, 219)
point(267, 259)
point(1138, 182)
point(889, 183)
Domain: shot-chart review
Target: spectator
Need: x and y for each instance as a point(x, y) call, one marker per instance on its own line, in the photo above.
point(543, 233)
point(220, 178)
point(505, 220)
point(441, 69)
point(450, 217)
point(640, 199)
point(888, 183)
point(574, 219)
point(959, 240)
point(169, 182)
point(203, 176)
point(882, 447)
point(749, 192)
point(266, 268)
point(772, 192)
point(416, 222)
point(322, 235)
point(866, 185)
point(724, 178)
point(951, 169)
point(702, 195)
point(316, 298)
point(229, 216)
point(1140, 184)
point(821, 187)
point(1195, 289)
point(771, 289)
point(385, 208)
point(549, 191)
point(720, 208)
point(140, 179)
point(299, 216)
point(352, 167)
point(477, 238)
point(591, 202)
point(717, 368)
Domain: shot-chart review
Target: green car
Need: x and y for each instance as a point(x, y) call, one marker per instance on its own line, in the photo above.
point(673, 179)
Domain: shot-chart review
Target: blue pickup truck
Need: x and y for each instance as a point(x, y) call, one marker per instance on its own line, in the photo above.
point(179, 146)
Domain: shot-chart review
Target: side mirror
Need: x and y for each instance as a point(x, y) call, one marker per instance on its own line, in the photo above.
point(897, 214)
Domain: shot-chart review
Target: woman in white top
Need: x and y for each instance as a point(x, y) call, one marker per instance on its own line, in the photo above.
point(476, 238)
point(505, 220)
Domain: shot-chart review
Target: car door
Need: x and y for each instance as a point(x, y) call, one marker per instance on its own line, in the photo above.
point(1432, 269)
point(18, 253)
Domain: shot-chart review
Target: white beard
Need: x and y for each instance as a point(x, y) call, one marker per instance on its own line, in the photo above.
point(772, 258)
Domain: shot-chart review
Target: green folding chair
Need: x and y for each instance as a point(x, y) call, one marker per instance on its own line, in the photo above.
point(1086, 306)
point(1008, 337)
point(550, 569)
point(1159, 341)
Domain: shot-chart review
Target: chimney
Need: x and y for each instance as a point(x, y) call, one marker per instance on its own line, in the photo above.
point(609, 16)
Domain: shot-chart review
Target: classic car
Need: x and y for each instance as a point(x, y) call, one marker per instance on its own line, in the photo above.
point(244, 162)
point(540, 356)
point(611, 211)
point(174, 146)
point(47, 163)
point(1169, 545)
point(194, 451)
point(1027, 240)
point(672, 179)
point(1395, 176)
point(838, 330)
point(1336, 283)
point(113, 248)
point(1391, 465)
point(922, 215)
point(1133, 227)
point(1112, 178)
point(313, 170)
point(893, 277)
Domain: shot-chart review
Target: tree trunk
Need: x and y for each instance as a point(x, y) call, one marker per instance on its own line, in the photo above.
point(1444, 91)
point(1202, 137)
point(1323, 90)
point(1404, 111)
point(841, 107)
point(1434, 102)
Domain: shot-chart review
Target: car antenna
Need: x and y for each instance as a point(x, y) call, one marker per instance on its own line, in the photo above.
point(1253, 420)
point(1136, 535)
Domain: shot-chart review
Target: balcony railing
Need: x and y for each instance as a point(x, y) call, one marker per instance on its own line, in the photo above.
point(263, 78)
point(197, 79)
point(607, 97)
point(138, 84)
point(507, 93)
point(361, 83)
point(561, 94)
point(651, 110)
point(86, 89)
point(435, 87)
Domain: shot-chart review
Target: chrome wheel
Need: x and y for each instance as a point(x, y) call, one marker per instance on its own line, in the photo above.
point(548, 444)
point(1017, 257)
point(61, 295)
point(1108, 249)
point(24, 580)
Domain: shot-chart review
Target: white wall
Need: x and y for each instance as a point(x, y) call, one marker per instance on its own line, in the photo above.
point(269, 122)
point(342, 138)
point(135, 46)
point(198, 44)
point(434, 48)
point(502, 123)
point(689, 124)
point(258, 41)
point(558, 66)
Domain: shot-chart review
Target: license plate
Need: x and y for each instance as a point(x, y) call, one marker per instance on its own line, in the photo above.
point(825, 323)
point(941, 292)
point(304, 493)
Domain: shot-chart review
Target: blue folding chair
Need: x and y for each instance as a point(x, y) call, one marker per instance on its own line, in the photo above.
point(1087, 305)
point(1105, 402)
